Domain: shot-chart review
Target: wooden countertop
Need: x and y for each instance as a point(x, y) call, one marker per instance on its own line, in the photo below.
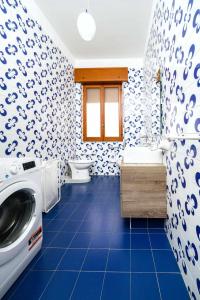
point(141, 165)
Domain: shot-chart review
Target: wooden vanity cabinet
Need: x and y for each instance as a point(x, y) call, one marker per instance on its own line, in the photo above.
point(143, 191)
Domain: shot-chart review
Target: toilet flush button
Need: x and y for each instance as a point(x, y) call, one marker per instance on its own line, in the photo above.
point(13, 170)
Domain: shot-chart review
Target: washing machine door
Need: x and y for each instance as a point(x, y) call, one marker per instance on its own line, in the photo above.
point(20, 208)
point(16, 212)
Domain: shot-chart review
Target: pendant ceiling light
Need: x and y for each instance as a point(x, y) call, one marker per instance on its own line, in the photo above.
point(86, 25)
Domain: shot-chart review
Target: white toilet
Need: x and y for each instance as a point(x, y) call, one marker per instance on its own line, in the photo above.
point(79, 171)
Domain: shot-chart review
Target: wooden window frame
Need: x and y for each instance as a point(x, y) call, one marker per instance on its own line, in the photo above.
point(102, 137)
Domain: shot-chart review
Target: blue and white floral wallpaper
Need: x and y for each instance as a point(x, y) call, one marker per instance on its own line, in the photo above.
point(40, 110)
point(40, 106)
point(106, 154)
point(36, 89)
point(174, 47)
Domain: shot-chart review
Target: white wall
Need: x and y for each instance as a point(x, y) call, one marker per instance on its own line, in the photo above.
point(36, 13)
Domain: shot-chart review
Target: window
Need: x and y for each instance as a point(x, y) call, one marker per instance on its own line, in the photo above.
point(102, 112)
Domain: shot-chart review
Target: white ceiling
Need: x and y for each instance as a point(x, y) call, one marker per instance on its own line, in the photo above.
point(122, 26)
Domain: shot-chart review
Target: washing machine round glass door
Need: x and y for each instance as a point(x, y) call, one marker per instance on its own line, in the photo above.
point(15, 214)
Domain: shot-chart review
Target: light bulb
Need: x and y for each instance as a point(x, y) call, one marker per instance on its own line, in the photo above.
point(86, 26)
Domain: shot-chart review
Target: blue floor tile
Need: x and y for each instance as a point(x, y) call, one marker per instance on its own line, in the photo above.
point(72, 260)
point(46, 217)
point(138, 223)
point(139, 230)
point(106, 224)
point(142, 261)
point(66, 213)
point(88, 286)
point(36, 258)
point(90, 226)
point(156, 223)
point(55, 225)
point(45, 223)
point(81, 240)
point(116, 286)
point(60, 286)
point(156, 230)
point(95, 260)
point(165, 261)
point(159, 241)
point(48, 238)
point(51, 215)
point(32, 286)
point(77, 216)
point(172, 287)
point(120, 225)
point(140, 241)
point(101, 240)
point(50, 259)
point(63, 215)
point(89, 250)
point(16, 284)
point(120, 241)
point(62, 239)
point(71, 226)
point(145, 286)
point(119, 260)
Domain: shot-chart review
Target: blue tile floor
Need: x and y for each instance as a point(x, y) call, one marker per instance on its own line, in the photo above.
point(89, 252)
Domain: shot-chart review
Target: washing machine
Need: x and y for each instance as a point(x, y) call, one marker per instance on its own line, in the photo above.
point(20, 217)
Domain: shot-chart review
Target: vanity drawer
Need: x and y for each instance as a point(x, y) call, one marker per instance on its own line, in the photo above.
point(143, 191)
point(151, 209)
point(138, 173)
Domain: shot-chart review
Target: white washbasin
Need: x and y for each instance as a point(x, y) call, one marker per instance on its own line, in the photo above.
point(142, 155)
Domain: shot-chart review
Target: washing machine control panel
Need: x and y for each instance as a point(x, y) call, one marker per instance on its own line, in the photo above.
point(13, 170)
point(14, 167)
point(29, 165)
